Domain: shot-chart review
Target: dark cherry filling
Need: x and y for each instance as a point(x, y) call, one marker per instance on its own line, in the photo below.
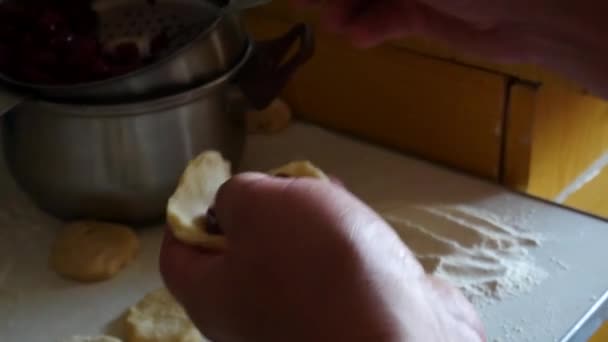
point(55, 42)
point(212, 226)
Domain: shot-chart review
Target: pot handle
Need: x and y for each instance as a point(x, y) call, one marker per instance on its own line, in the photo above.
point(267, 72)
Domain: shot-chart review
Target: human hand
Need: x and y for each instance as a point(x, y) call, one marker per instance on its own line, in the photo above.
point(307, 261)
point(565, 36)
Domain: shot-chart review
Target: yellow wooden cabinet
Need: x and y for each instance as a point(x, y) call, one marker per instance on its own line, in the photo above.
point(557, 147)
point(399, 99)
point(519, 125)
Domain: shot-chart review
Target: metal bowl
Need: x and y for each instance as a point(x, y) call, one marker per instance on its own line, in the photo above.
point(122, 162)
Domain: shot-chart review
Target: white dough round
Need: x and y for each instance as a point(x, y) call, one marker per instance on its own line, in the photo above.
point(158, 317)
point(90, 251)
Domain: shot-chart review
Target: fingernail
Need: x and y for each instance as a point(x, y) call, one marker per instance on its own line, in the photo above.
point(335, 180)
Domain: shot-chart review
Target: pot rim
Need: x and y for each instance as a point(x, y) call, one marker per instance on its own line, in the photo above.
point(146, 106)
point(41, 88)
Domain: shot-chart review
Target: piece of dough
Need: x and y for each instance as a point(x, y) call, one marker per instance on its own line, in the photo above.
point(158, 317)
point(271, 120)
point(195, 193)
point(90, 251)
point(300, 169)
point(187, 209)
point(100, 338)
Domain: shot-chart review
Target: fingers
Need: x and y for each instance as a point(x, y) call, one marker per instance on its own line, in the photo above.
point(404, 19)
point(338, 13)
point(265, 215)
point(457, 305)
point(242, 199)
point(267, 201)
point(502, 43)
point(369, 22)
point(381, 21)
point(483, 30)
point(336, 181)
point(183, 266)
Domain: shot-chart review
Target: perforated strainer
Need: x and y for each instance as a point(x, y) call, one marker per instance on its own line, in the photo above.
point(202, 41)
point(182, 21)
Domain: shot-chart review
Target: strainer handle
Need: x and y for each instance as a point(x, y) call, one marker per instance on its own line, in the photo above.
point(267, 72)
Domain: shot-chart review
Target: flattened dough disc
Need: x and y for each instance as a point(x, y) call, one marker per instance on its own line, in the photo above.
point(89, 251)
point(158, 317)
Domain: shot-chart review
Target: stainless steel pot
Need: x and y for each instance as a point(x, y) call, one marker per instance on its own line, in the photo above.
point(208, 41)
point(122, 162)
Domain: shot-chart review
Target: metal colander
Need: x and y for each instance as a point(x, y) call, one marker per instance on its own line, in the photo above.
point(139, 21)
point(204, 41)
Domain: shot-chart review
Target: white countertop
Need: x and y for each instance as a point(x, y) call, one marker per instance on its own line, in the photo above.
point(36, 305)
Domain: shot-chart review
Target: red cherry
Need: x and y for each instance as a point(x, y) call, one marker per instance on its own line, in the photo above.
point(83, 20)
point(159, 43)
point(100, 68)
point(51, 21)
point(82, 50)
point(126, 53)
point(61, 40)
point(55, 41)
point(6, 56)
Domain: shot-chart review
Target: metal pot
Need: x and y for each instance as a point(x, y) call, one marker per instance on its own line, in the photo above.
point(209, 41)
point(122, 162)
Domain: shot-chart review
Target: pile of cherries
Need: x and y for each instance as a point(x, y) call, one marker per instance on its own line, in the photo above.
point(55, 42)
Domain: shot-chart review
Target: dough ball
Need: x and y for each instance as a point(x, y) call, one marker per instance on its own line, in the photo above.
point(188, 207)
point(158, 317)
point(300, 169)
point(100, 338)
point(90, 251)
point(273, 119)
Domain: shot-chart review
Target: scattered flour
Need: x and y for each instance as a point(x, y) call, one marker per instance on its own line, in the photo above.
point(476, 251)
point(23, 230)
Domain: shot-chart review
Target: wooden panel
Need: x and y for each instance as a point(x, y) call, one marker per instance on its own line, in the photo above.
point(285, 10)
point(570, 133)
point(518, 132)
point(441, 111)
point(592, 196)
point(601, 335)
point(530, 73)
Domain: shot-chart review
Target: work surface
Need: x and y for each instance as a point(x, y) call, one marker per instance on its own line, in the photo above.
point(36, 305)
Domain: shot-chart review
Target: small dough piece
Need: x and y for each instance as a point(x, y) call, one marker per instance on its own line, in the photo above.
point(91, 251)
point(270, 120)
point(100, 338)
point(195, 193)
point(158, 317)
point(298, 169)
